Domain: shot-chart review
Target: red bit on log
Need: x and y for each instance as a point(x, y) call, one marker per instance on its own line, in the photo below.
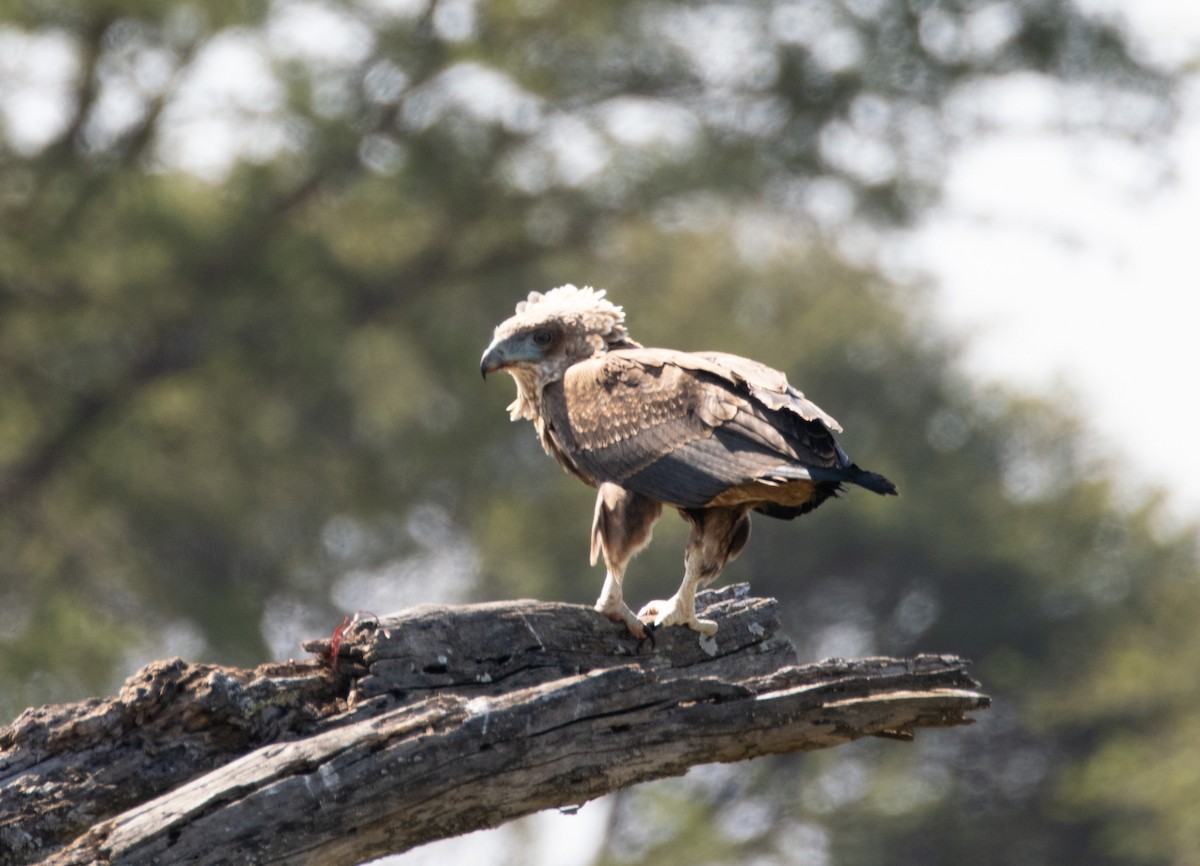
point(349, 623)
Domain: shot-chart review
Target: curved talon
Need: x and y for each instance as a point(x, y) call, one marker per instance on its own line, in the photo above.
point(673, 612)
point(619, 612)
point(650, 628)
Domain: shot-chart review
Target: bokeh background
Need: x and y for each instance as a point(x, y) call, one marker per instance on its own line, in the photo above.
point(250, 253)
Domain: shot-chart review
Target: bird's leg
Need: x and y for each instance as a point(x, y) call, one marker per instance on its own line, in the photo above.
point(718, 535)
point(612, 604)
point(621, 527)
point(680, 609)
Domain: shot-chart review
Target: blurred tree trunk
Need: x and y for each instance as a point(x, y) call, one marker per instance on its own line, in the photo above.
point(432, 723)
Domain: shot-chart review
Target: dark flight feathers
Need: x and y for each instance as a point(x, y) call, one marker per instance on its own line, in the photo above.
point(697, 430)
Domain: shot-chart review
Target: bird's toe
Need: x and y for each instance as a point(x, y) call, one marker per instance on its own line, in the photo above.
point(659, 613)
point(620, 612)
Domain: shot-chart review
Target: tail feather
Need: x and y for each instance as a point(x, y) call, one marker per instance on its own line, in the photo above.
point(872, 481)
point(829, 483)
point(850, 473)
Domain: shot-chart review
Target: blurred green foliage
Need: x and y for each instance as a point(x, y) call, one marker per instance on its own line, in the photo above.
point(249, 256)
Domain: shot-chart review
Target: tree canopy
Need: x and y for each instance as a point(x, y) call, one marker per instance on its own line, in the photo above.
point(250, 254)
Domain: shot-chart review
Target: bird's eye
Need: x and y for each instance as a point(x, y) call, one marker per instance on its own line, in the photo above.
point(542, 337)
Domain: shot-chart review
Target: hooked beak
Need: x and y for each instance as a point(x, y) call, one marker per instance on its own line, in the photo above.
point(496, 357)
point(508, 352)
point(490, 363)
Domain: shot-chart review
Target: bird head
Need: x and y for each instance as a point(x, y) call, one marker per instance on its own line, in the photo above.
point(548, 333)
point(551, 331)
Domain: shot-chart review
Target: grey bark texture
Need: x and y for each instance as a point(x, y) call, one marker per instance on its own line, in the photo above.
point(433, 722)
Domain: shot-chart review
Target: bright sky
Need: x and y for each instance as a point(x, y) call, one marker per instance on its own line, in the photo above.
point(1075, 263)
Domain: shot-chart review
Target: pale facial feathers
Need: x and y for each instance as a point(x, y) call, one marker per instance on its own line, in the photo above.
point(586, 324)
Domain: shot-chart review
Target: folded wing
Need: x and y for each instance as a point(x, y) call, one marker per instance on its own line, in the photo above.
point(698, 429)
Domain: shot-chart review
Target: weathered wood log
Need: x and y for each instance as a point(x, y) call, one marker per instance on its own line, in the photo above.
point(432, 723)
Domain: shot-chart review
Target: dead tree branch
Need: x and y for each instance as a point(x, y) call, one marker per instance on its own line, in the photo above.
point(435, 722)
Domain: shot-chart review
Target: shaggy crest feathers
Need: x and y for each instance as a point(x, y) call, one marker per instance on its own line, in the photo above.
point(585, 308)
point(585, 312)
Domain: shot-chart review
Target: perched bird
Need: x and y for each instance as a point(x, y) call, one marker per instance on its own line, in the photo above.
point(712, 435)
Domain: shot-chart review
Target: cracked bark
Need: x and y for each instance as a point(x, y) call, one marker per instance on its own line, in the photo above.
point(435, 722)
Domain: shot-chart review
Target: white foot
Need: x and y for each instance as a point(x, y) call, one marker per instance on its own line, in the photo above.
point(618, 611)
point(674, 611)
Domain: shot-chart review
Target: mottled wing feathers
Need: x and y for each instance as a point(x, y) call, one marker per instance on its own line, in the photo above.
point(694, 429)
point(617, 416)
